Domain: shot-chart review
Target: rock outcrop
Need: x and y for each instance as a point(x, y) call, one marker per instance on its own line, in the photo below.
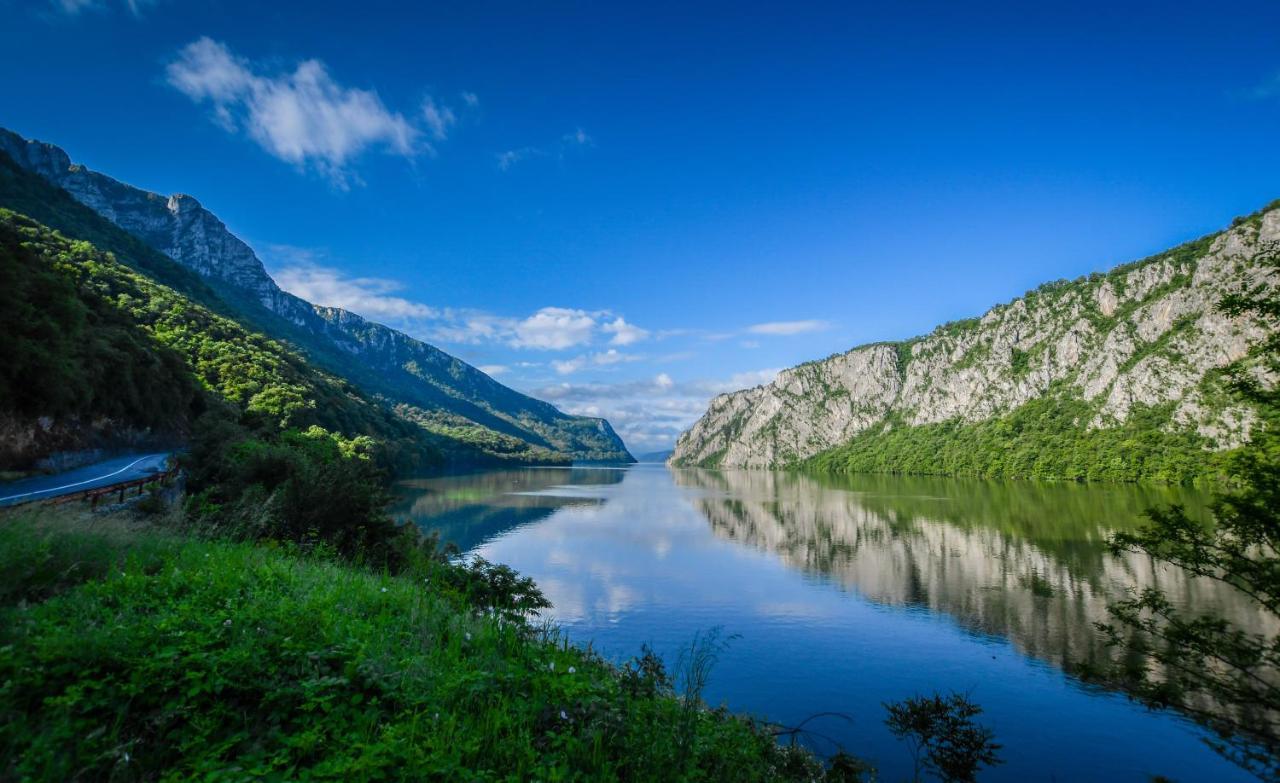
point(1145, 334)
point(430, 385)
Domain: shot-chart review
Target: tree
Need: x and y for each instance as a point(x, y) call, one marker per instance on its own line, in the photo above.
point(943, 736)
point(1225, 677)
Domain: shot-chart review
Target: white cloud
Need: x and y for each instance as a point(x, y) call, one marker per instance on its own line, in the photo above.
point(624, 333)
point(75, 7)
point(648, 414)
point(494, 369)
point(554, 329)
point(601, 359)
point(578, 137)
point(439, 118)
point(304, 117)
point(787, 328)
point(368, 296)
point(471, 99)
point(569, 366)
point(613, 356)
point(511, 157)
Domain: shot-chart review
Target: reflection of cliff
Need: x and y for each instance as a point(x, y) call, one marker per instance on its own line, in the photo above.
point(469, 509)
point(1021, 561)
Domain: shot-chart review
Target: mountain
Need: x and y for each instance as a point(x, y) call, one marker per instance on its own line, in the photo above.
point(1110, 376)
point(96, 353)
point(654, 456)
point(423, 384)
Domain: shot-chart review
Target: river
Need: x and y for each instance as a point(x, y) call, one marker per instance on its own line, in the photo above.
point(839, 594)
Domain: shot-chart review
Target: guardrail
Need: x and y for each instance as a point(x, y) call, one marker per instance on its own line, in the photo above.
point(96, 494)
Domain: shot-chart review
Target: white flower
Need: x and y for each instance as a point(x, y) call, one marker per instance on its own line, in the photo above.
point(227, 622)
point(552, 666)
point(572, 670)
point(563, 716)
point(384, 589)
point(468, 637)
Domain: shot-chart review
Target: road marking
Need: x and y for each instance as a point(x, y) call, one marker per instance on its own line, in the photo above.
point(78, 483)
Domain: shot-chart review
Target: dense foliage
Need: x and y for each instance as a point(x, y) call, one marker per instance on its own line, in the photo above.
point(91, 337)
point(425, 392)
point(1202, 664)
point(71, 348)
point(1046, 438)
point(131, 654)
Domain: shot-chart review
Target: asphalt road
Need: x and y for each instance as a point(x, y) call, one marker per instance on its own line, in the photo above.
point(102, 474)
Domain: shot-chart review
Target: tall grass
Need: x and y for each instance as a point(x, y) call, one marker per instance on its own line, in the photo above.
point(129, 653)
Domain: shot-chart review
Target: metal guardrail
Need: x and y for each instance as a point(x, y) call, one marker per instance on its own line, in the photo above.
point(96, 494)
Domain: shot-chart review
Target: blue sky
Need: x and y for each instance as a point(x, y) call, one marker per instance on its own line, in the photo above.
point(625, 209)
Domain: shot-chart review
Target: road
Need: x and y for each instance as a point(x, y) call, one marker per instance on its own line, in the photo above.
point(101, 474)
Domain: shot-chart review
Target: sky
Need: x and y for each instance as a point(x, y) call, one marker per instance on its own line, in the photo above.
point(627, 208)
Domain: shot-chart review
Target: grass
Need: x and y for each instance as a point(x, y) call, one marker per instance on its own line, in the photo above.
point(129, 651)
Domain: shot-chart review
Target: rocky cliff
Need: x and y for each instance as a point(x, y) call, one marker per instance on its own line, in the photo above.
point(425, 384)
point(1144, 337)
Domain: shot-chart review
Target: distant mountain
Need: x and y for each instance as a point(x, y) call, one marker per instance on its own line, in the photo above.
point(1110, 376)
point(654, 456)
point(423, 384)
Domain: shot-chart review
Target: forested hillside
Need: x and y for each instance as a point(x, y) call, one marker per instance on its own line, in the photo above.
point(96, 352)
point(447, 438)
point(1113, 376)
point(435, 390)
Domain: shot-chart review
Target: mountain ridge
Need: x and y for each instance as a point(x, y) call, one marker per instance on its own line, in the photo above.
point(1145, 336)
point(425, 385)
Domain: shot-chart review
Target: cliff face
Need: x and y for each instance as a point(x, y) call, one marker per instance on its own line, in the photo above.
point(434, 388)
point(1145, 334)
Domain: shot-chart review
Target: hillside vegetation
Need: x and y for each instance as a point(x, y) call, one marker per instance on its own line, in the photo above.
point(449, 438)
point(178, 242)
point(99, 350)
point(1113, 376)
point(130, 652)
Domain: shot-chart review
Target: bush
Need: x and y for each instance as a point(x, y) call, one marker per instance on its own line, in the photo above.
point(216, 660)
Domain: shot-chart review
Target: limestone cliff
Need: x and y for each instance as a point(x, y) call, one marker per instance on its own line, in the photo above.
point(1145, 334)
point(425, 384)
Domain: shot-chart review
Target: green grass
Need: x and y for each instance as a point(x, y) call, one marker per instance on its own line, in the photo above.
point(129, 653)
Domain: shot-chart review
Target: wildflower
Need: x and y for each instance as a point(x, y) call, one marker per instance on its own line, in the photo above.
point(572, 670)
point(468, 637)
point(563, 715)
point(552, 666)
point(227, 622)
point(384, 589)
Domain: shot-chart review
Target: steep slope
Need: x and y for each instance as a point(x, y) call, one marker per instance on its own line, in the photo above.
point(97, 354)
point(1114, 375)
point(427, 385)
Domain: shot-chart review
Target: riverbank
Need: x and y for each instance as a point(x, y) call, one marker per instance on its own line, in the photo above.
point(130, 649)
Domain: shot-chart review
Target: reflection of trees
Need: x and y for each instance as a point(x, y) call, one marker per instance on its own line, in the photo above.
point(467, 509)
point(1019, 560)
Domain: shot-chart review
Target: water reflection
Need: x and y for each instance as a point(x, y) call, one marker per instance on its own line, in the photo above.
point(847, 594)
point(468, 509)
point(1020, 560)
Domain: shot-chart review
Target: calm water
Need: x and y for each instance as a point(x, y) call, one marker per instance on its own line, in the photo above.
point(847, 593)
